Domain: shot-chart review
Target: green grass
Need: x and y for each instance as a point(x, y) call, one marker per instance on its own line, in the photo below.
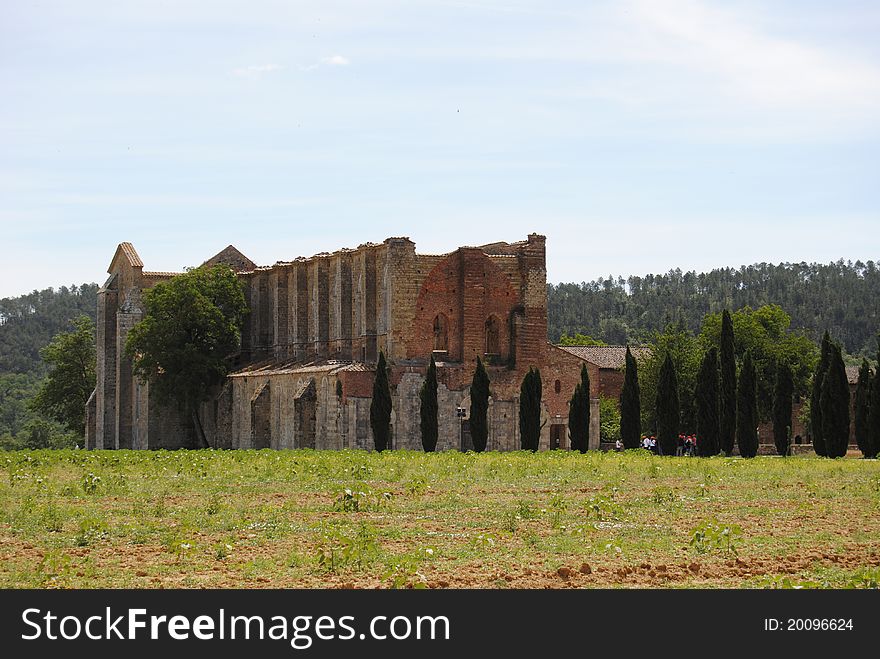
point(77, 519)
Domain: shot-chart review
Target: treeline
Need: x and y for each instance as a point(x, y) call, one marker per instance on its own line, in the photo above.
point(28, 324)
point(841, 297)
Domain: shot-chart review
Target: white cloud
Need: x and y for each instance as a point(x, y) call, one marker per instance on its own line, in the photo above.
point(336, 60)
point(256, 70)
point(743, 61)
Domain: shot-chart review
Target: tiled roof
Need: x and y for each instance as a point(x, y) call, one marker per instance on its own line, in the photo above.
point(160, 275)
point(605, 356)
point(131, 255)
point(127, 251)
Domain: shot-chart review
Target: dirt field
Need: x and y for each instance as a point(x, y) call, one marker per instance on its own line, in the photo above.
point(194, 519)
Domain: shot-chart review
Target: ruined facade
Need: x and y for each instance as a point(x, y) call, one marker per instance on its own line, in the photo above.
point(315, 329)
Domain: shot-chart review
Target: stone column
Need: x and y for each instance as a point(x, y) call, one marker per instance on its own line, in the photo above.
point(105, 406)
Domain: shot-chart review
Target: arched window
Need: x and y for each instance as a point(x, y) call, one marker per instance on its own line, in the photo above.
point(493, 335)
point(557, 386)
point(441, 333)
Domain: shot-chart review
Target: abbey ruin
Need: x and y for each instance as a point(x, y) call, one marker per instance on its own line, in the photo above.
point(304, 376)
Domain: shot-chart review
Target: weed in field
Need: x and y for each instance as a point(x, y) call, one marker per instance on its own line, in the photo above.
point(51, 519)
point(484, 541)
point(417, 485)
point(140, 534)
point(293, 559)
point(55, 569)
point(711, 535)
point(353, 501)
point(358, 472)
point(558, 506)
point(90, 483)
point(337, 550)
point(602, 507)
point(403, 572)
point(525, 510)
point(222, 550)
point(180, 548)
point(91, 530)
point(510, 521)
point(662, 494)
point(215, 504)
point(159, 509)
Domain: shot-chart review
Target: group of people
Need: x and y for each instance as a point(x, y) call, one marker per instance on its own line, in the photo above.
point(687, 444)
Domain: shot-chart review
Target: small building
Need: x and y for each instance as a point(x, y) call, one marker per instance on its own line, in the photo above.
point(606, 365)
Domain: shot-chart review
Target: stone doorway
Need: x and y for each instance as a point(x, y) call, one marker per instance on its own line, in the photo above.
point(557, 436)
point(261, 409)
point(304, 411)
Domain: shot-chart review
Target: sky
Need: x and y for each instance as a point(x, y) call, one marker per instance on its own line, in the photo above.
point(637, 135)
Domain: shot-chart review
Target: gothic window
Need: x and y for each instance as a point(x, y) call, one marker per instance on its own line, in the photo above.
point(441, 333)
point(493, 335)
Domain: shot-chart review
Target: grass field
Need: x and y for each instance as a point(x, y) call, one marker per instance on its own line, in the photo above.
point(252, 519)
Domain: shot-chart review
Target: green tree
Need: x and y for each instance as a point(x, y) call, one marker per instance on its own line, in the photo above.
point(727, 393)
point(71, 379)
point(530, 410)
point(667, 408)
point(816, 426)
point(782, 395)
point(684, 349)
point(579, 413)
point(17, 390)
point(707, 405)
point(766, 333)
point(834, 401)
point(428, 408)
point(609, 420)
point(862, 410)
point(874, 409)
point(380, 406)
point(191, 328)
point(480, 408)
point(747, 410)
point(630, 404)
point(579, 340)
point(28, 323)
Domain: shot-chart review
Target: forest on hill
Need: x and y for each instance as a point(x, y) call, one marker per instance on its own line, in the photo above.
point(842, 297)
point(27, 324)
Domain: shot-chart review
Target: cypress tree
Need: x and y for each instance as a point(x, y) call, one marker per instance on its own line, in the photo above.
point(530, 410)
point(862, 409)
point(428, 408)
point(874, 410)
point(747, 409)
point(630, 405)
point(707, 405)
point(380, 407)
point(727, 398)
point(576, 418)
point(579, 413)
point(816, 394)
point(668, 413)
point(480, 407)
point(834, 401)
point(782, 393)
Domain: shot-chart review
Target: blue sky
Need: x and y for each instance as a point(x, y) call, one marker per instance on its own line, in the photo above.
point(638, 136)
